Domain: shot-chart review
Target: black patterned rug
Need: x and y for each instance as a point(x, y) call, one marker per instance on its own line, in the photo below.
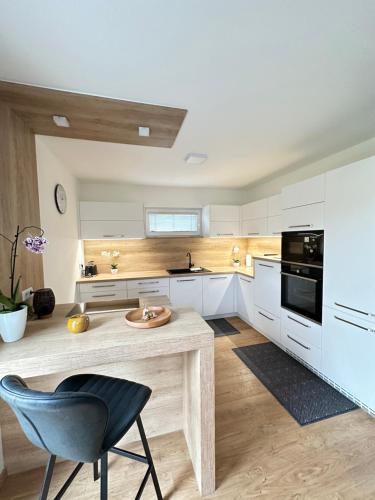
point(222, 327)
point(302, 393)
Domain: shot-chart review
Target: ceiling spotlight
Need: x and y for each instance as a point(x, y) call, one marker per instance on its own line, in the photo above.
point(196, 158)
point(61, 121)
point(144, 131)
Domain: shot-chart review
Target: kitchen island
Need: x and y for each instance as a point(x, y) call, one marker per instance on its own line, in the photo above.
point(175, 360)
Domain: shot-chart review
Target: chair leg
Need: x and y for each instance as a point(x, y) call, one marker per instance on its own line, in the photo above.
point(149, 458)
point(104, 477)
point(47, 477)
point(96, 471)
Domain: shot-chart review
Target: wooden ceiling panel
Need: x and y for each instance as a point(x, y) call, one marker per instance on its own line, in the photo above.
point(91, 117)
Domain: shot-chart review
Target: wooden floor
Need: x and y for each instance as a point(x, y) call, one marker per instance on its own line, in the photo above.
point(261, 451)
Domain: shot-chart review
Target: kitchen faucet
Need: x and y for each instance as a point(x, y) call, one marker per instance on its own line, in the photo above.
point(190, 264)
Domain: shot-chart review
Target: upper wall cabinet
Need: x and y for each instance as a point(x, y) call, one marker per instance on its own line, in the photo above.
point(221, 220)
point(262, 217)
point(303, 205)
point(254, 210)
point(304, 193)
point(111, 220)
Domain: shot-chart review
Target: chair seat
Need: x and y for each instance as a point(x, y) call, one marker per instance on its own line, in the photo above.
point(124, 399)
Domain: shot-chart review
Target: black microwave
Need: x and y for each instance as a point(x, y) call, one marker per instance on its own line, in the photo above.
point(303, 247)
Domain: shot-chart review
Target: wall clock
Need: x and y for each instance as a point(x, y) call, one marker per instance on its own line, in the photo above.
point(60, 198)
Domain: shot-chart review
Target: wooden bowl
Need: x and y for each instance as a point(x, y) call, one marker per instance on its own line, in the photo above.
point(134, 317)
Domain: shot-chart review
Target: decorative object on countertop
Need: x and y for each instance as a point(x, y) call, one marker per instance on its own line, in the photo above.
point(44, 302)
point(248, 260)
point(235, 260)
point(13, 311)
point(78, 323)
point(136, 317)
point(115, 254)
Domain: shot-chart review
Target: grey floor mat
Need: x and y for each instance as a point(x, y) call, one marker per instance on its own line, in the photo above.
point(222, 327)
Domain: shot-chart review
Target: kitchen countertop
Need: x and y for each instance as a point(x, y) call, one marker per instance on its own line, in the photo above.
point(136, 275)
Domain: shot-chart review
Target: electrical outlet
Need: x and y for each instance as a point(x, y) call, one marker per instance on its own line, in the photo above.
point(26, 294)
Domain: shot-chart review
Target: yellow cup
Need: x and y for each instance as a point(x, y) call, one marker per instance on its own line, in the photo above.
point(78, 323)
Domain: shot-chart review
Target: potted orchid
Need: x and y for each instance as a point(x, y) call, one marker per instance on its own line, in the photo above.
point(13, 311)
point(115, 254)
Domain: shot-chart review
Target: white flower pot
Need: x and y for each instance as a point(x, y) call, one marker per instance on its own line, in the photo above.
point(236, 264)
point(13, 325)
point(114, 271)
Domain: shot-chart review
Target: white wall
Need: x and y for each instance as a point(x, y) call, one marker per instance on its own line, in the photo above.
point(273, 186)
point(61, 259)
point(158, 195)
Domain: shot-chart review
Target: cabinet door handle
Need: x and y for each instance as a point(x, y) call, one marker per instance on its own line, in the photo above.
point(265, 316)
point(147, 282)
point(299, 322)
point(219, 278)
point(299, 343)
point(149, 291)
point(103, 286)
point(355, 324)
point(300, 225)
point(247, 281)
point(352, 309)
point(224, 234)
point(276, 232)
point(181, 281)
point(249, 234)
point(299, 277)
point(266, 265)
point(113, 235)
point(106, 295)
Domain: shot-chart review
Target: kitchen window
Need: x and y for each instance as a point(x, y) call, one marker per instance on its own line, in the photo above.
point(162, 222)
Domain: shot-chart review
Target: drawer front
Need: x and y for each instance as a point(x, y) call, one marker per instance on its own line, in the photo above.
point(267, 324)
point(303, 218)
point(151, 291)
point(100, 286)
point(103, 295)
point(147, 283)
point(300, 348)
point(111, 230)
point(309, 332)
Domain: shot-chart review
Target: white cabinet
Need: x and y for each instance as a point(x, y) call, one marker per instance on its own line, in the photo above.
point(267, 324)
point(349, 270)
point(221, 220)
point(254, 227)
point(148, 287)
point(308, 217)
point(304, 193)
point(274, 205)
point(267, 289)
point(245, 298)
point(254, 210)
point(275, 225)
point(187, 292)
point(348, 354)
point(111, 230)
point(302, 337)
point(101, 291)
point(111, 220)
point(218, 294)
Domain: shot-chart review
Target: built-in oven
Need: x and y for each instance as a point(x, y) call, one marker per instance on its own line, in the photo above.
point(302, 290)
point(304, 247)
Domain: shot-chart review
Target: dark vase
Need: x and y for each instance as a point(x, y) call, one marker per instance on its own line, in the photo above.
point(43, 302)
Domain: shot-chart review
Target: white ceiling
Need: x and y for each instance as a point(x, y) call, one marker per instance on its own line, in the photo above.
point(268, 84)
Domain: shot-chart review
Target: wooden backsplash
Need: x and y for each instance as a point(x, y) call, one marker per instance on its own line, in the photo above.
point(164, 253)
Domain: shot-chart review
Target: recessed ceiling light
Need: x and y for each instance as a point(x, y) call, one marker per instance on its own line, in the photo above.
point(61, 121)
point(144, 131)
point(196, 158)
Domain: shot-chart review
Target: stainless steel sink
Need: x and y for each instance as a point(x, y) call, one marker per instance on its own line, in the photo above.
point(188, 271)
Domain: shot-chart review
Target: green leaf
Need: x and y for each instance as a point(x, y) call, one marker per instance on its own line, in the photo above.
point(7, 302)
point(15, 293)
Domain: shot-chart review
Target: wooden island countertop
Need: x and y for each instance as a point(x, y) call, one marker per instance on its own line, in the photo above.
point(176, 360)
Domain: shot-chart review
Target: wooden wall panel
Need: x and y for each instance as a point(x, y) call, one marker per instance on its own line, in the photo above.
point(19, 199)
point(260, 246)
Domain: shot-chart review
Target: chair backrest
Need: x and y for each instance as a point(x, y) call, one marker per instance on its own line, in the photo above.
point(70, 425)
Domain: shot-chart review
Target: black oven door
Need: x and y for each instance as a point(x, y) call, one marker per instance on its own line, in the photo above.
point(305, 247)
point(301, 290)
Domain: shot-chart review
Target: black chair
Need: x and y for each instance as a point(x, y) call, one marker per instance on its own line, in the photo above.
point(81, 421)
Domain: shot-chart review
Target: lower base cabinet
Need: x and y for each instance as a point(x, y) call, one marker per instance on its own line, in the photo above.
point(267, 324)
point(245, 298)
point(348, 347)
point(187, 292)
point(218, 294)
